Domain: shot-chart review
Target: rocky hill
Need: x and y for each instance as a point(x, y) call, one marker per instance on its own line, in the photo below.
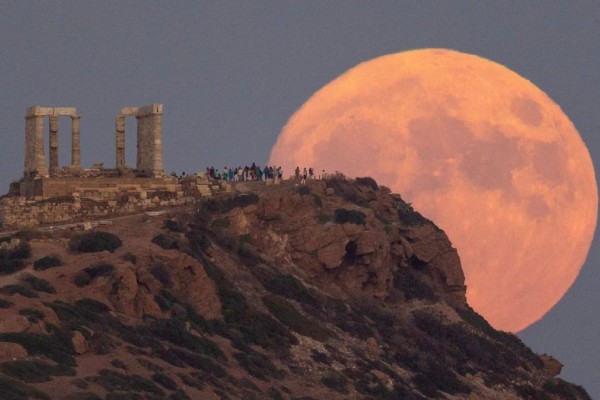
point(332, 290)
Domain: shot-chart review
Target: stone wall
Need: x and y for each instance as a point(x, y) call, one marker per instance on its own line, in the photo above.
point(70, 199)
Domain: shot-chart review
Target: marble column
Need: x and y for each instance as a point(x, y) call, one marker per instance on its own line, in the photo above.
point(120, 141)
point(53, 142)
point(75, 142)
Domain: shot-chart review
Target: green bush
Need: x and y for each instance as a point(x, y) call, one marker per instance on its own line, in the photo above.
point(10, 266)
point(213, 205)
point(565, 390)
point(368, 182)
point(220, 223)
point(172, 225)
point(32, 315)
point(50, 261)
point(118, 364)
point(21, 251)
point(10, 290)
point(408, 215)
point(83, 396)
point(335, 381)
point(89, 274)
point(323, 218)
point(258, 365)
point(14, 390)
point(56, 346)
point(6, 304)
point(408, 282)
point(287, 314)
point(95, 241)
point(167, 242)
point(161, 274)
point(303, 190)
point(343, 216)
point(34, 371)
point(113, 380)
point(164, 381)
point(132, 258)
point(39, 285)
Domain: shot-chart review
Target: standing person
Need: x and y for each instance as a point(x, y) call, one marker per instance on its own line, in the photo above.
point(297, 173)
point(304, 173)
point(225, 174)
point(266, 173)
point(240, 174)
point(311, 173)
point(231, 174)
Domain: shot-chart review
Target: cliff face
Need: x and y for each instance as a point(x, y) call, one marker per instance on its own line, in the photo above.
point(335, 289)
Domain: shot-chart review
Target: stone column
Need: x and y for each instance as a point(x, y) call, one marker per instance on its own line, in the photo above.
point(75, 142)
point(53, 142)
point(149, 157)
point(120, 141)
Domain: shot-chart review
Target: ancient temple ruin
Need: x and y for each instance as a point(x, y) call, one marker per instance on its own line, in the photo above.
point(50, 194)
point(35, 156)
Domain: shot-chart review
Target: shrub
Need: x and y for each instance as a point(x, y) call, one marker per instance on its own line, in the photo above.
point(118, 364)
point(368, 182)
point(6, 304)
point(95, 241)
point(198, 242)
point(342, 216)
point(335, 381)
point(161, 274)
point(172, 225)
point(89, 274)
point(82, 396)
point(112, 380)
point(258, 365)
point(57, 346)
point(409, 283)
point(132, 258)
point(39, 285)
point(225, 205)
point(408, 215)
point(220, 223)
point(15, 390)
point(21, 251)
point(34, 371)
point(293, 319)
point(50, 261)
point(164, 381)
point(9, 290)
point(166, 242)
point(323, 218)
point(32, 315)
point(303, 190)
point(10, 266)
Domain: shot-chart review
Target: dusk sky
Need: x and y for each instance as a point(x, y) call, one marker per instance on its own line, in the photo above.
point(230, 74)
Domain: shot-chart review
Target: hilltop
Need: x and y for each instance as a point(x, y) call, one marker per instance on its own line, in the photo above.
point(334, 289)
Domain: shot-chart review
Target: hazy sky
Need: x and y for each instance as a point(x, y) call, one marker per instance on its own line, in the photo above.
point(230, 74)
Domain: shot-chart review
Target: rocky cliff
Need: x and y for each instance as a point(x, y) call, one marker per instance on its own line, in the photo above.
point(335, 289)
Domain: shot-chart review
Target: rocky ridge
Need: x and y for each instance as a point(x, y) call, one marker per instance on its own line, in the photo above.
point(335, 289)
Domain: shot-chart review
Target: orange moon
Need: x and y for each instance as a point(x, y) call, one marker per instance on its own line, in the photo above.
point(476, 148)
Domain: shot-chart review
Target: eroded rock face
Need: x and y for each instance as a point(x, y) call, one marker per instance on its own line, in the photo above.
point(358, 258)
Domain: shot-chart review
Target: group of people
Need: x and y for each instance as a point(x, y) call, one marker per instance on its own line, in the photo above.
point(257, 173)
point(307, 174)
point(247, 173)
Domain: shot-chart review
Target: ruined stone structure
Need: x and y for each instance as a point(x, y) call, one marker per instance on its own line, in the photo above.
point(149, 139)
point(49, 194)
point(35, 156)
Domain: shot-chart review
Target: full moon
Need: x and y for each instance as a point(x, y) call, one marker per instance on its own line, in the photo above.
point(476, 148)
